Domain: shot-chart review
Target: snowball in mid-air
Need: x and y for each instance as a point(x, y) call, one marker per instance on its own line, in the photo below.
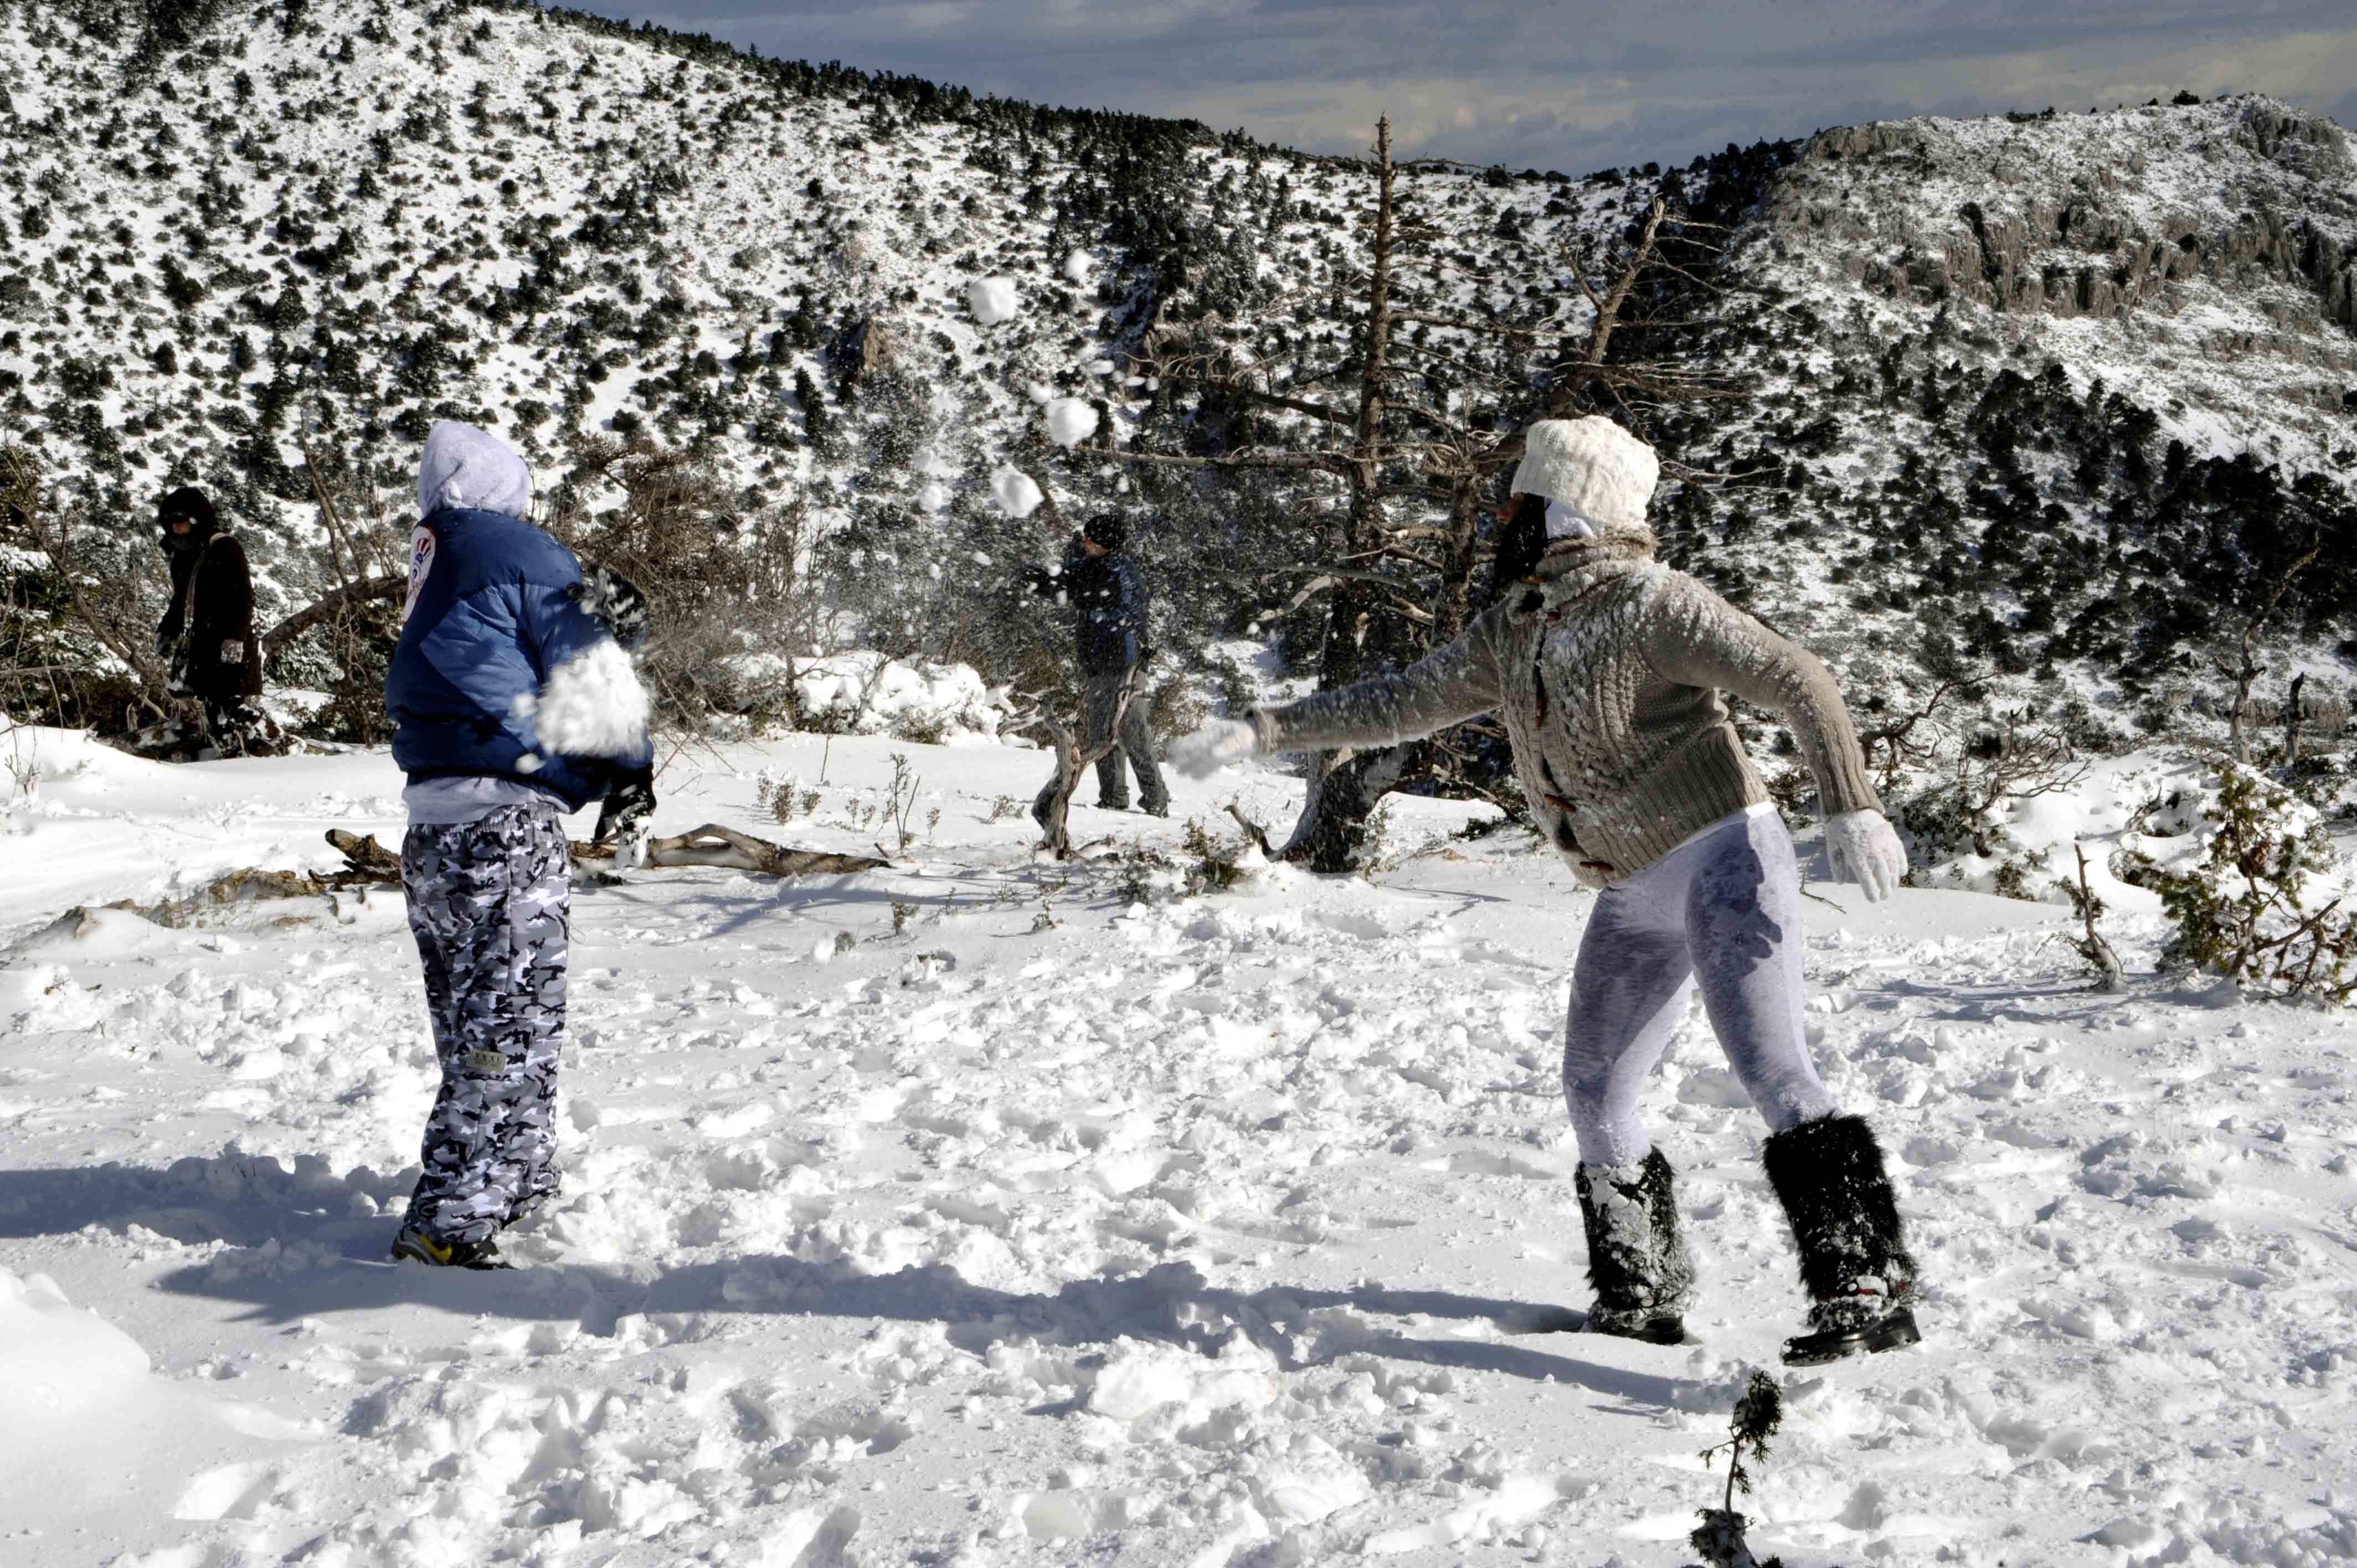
point(1071, 421)
point(1078, 265)
point(933, 497)
point(993, 300)
point(1015, 492)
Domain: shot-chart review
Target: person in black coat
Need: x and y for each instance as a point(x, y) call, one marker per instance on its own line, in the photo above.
point(206, 635)
point(1100, 581)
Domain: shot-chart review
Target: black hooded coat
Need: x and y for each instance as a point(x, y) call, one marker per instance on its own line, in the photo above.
point(208, 632)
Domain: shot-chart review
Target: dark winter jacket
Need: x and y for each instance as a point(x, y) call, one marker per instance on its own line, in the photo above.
point(208, 632)
point(1108, 594)
point(502, 671)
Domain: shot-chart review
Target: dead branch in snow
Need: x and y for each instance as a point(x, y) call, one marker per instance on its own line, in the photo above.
point(713, 844)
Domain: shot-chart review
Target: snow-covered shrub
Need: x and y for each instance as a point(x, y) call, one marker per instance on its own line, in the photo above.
point(781, 795)
point(863, 692)
point(2254, 888)
point(1978, 815)
point(750, 684)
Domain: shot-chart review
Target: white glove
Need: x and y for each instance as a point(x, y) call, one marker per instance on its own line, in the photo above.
point(1863, 847)
point(1213, 745)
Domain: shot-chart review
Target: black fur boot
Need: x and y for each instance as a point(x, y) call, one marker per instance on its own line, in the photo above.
point(1828, 1175)
point(1636, 1255)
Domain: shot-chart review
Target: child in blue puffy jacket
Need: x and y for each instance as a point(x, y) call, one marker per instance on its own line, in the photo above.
point(513, 702)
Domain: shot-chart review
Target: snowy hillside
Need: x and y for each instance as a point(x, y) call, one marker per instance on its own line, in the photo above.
point(2051, 396)
point(850, 301)
point(903, 1225)
point(1997, 396)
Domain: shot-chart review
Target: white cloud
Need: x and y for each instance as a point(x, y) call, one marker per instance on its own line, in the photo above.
point(1569, 85)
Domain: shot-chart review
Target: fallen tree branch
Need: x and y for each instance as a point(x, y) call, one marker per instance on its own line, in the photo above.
point(311, 614)
point(1253, 830)
point(364, 856)
point(713, 844)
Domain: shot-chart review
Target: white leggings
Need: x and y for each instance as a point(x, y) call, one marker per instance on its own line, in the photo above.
point(1724, 908)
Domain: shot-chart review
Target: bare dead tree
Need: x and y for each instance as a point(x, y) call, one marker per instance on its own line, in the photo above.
point(1415, 474)
point(1899, 745)
point(333, 604)
point(2292, 718)
point(2015, 758)
point(2243, 667)
point(2110, 977)
point(103, 601)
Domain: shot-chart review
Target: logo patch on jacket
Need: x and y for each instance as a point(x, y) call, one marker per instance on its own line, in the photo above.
point(421, 561)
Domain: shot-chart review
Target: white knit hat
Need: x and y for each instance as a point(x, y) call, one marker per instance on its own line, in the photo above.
point(1591, 465)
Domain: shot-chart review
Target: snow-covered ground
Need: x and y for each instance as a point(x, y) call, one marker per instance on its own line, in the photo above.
point(1233, 1230)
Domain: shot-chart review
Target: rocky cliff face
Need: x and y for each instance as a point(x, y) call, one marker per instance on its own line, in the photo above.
point(2053, 399)
point(2103, 216)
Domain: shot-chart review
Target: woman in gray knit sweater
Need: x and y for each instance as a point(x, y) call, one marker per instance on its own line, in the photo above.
point(1606, 668)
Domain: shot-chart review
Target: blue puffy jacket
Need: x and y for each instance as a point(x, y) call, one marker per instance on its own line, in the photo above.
point(495, 608)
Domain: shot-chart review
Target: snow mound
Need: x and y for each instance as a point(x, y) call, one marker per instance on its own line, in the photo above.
point(1072, 420)
point(993, 300)
point(33, 757)
point(863, 692)
point(1016, 493)
point(100, 933)
point(63, 1368)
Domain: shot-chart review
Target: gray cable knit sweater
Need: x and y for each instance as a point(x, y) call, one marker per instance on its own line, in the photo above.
point(1606, 668)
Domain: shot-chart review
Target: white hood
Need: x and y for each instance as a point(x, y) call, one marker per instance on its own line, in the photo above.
point(471, 469)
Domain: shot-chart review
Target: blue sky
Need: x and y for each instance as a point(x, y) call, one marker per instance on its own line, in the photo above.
point(1572, 85)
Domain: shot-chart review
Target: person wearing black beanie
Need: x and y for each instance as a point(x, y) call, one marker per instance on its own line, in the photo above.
point(1099, 579)
point(206, 635)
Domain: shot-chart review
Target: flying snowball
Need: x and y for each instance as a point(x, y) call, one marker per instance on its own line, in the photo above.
point(1071, 421)
point(993, 300)
point(1078, 265)
point(933, 497)
point(1015, 492)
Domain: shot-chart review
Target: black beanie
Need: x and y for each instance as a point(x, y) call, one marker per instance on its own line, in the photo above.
point(190, 502)
point(1108, 529)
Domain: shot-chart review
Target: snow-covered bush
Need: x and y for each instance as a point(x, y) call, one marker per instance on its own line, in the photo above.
point(1972, 808)
point(2253, 887)
point(862, 693)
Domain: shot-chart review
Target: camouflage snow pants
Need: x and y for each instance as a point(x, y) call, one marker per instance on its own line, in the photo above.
point(489, 903)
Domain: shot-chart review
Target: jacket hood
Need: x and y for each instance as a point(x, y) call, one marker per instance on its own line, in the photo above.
point(190, 504)
point(469, 469)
